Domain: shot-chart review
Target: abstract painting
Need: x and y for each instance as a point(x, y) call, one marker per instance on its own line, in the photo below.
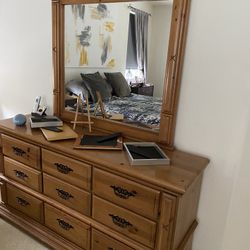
point(89, 30)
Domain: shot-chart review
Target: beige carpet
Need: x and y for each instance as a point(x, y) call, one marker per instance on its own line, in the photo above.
point(12, 238)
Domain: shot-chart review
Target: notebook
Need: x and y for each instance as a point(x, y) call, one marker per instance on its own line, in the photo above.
point(109, 142)
point(67, 133)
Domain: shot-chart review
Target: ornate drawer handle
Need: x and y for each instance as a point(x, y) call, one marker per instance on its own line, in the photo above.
point(63, 168)
point(64, 225)
point(18, 151)
point(123, 193)
point(120, 222)
point(63, 194)
point(22, 202)
point(20, 174)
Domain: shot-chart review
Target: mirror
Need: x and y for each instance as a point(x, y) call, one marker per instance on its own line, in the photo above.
point(96, 47)
point(105, 38)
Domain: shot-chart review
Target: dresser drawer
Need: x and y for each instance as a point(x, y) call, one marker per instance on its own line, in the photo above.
point(126, 222)
point(23, 174)
point(65, 168)
point(67, 226)
point(25, 203)
point(101, 241)
point(21, 151)
point(128, 194)
point(67, 194)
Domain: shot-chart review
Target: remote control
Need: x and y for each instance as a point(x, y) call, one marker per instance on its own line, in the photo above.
point(54, 129)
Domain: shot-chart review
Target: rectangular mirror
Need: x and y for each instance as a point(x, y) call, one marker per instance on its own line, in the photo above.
point(131, 53)
point(127, 42)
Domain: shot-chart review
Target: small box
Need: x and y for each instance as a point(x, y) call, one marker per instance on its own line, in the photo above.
point(145, 153)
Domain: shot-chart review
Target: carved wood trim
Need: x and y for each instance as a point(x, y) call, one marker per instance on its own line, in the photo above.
point(187, 236)
point(174, 68)
point(55, 46)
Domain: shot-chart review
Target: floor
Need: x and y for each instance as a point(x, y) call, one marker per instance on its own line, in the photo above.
point(12, 238)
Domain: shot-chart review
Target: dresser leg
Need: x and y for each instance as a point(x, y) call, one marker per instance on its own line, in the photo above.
point(2, 192)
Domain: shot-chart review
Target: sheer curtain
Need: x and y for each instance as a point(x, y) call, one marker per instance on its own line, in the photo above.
point(141, 35)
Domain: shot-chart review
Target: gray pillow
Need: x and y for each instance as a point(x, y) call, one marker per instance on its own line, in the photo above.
point(77, 87)
point(95, 82)
point(118, 83)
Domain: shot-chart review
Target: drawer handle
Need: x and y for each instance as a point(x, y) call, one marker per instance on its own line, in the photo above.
point(22, 202)
point(120, 222)
point(63, 168)
point(110, 248)
point(63, 194)
point(64, 225)
point(123, 193)
point(18, 151)
point(20, 174)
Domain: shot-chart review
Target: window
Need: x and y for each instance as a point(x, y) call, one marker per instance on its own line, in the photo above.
point(131, 62)
point(136, 62)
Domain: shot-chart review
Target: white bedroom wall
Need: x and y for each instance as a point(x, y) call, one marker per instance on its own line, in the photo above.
point(213, 116)
point(26, 59)
point(238, 225)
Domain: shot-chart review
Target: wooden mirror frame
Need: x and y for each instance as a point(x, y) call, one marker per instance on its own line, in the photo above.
point(177, 40)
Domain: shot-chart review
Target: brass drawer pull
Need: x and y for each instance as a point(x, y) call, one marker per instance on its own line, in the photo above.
point(123, 193)
point(120, 222)
point(63, 168)
point(20, 174)
point(22, 202)
point(18, 151)
point(64, 225)
point(63, 194)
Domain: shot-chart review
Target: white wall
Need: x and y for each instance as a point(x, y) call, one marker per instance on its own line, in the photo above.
point(238, 223)
point(213, 116)
point(214, 110)
point(25, 55)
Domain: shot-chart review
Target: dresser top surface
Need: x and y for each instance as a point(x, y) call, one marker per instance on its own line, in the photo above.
point(176, 177)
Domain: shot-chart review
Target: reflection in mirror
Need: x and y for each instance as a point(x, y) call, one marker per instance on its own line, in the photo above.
point(120, 50)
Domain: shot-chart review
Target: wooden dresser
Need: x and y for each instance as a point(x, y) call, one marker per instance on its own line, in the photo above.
point(87, 199)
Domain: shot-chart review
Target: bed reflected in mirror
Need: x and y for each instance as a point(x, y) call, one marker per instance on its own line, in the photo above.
point(119, 50)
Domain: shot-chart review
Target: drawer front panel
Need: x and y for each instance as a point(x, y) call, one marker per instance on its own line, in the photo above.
point(70, 170)
point(67, 194)
point(101, 241)
point(128, 194)
point(67, 226)
point(124, 221)
point(25, 203)
point(23, 174)
point(21, 151)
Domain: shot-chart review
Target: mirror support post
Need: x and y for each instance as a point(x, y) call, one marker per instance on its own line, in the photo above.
point(174, 67)
point(55, 54)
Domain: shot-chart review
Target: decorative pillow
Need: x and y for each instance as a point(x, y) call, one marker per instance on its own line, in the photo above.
point(94, 82)
point(77, 87)
point(118, 83)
